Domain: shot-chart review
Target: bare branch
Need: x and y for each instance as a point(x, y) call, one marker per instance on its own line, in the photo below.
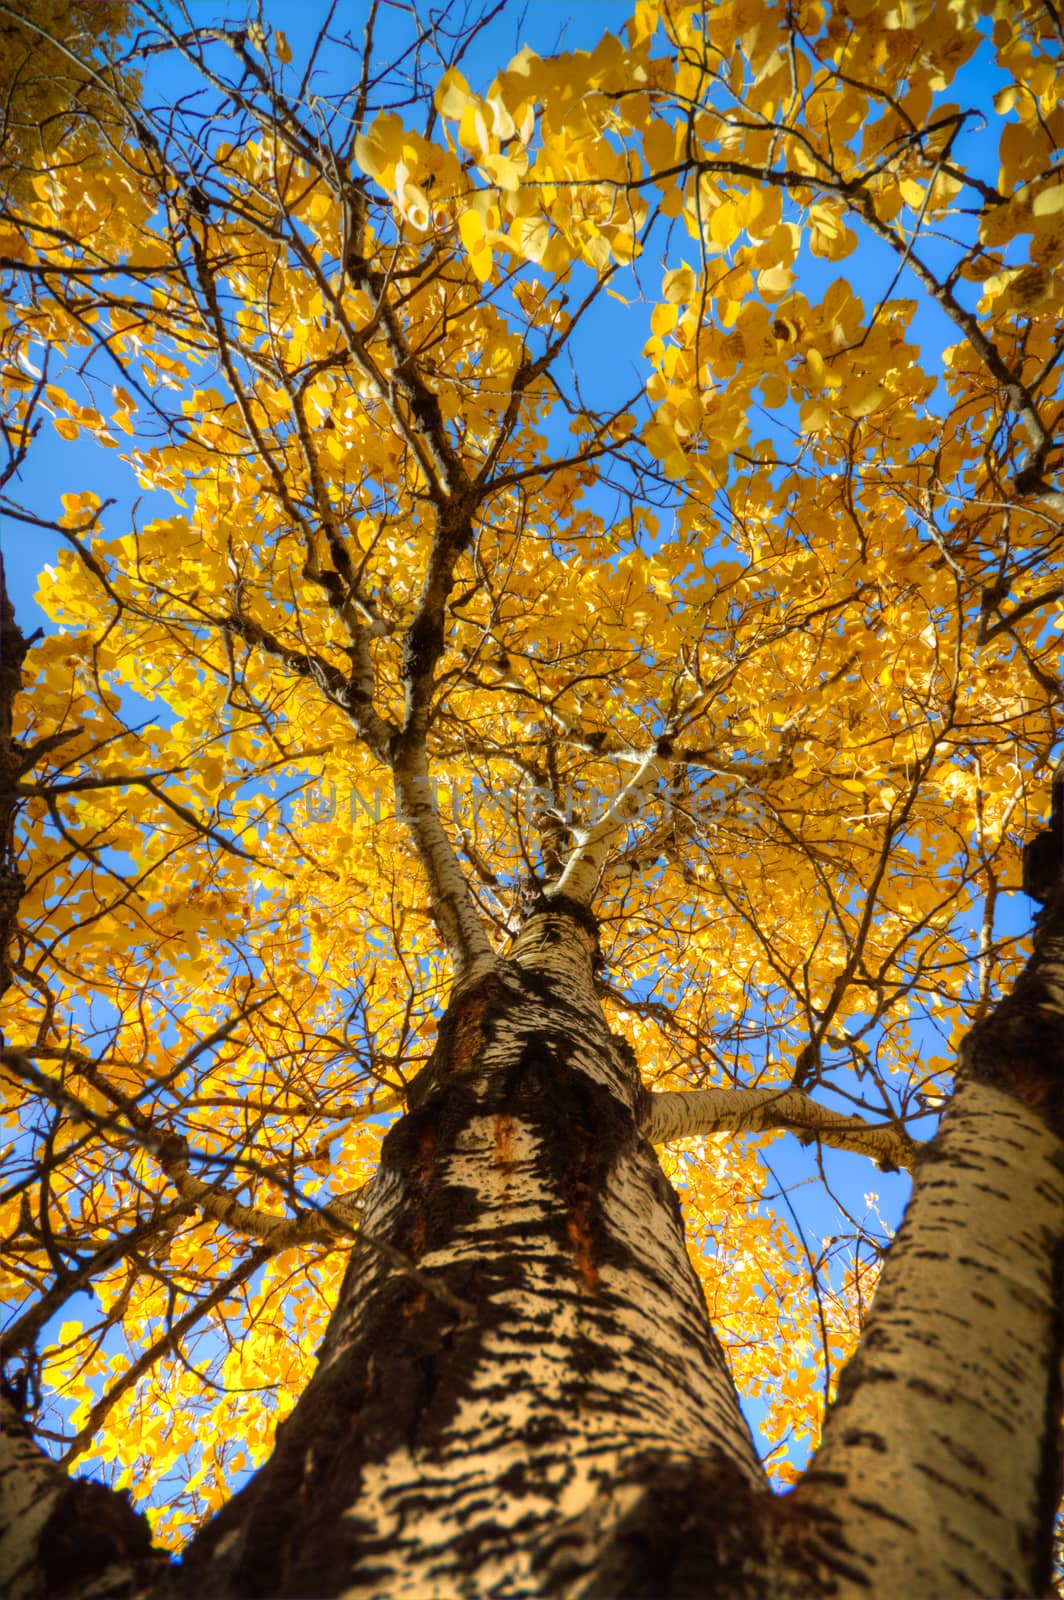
point(678, 1114)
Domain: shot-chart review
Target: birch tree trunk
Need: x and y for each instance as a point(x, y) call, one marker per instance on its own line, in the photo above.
point(941, 1459)
point(486, 1423)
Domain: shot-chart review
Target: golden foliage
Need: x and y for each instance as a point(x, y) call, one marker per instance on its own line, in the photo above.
point(48, 79)
point(807, 528)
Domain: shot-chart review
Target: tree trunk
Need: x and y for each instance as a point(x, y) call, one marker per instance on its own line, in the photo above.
point(484, 1421)
point(940, 1462)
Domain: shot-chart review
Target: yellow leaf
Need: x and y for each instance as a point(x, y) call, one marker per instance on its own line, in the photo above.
point(504, 170)
point(381, 146)
point(724, 225)
point(644, 20)
point(471, 229)
point(480, 261)
point(473, 131)
point(532, 237)
point(866, 400)
point(1049, 202)
point(774, 281)
point(660, 145)
point(814, 415)
point(678, 286)
point(452, 95)
point(663, 319)
point(321, 206)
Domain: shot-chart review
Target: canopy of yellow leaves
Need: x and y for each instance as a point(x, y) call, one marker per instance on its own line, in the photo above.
point(804, 523)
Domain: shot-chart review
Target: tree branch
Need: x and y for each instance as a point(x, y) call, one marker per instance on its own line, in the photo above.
point(579, 880)
point(337, 1220)
point(678, 1114)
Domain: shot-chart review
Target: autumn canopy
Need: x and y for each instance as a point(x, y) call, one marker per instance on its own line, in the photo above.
point(610, 475)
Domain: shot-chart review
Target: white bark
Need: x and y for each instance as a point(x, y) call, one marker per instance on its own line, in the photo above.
point(456, 915)
point(584, 867)
point(933, 1460)
point(677, 1114)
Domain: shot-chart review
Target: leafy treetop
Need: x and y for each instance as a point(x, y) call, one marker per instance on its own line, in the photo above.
point(789, 571)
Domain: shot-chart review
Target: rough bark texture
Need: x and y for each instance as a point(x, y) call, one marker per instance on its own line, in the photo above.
point(495, 1440)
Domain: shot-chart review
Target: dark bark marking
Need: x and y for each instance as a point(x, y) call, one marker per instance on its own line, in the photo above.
point(873, 1441)
point(580, 1240)
point(556, 905)
point(875, 1509)
point(931, 1390)
point(91, 1528)
point(503, 1151)
point(928, 1471)
point(422, 646)
point(698, 1529)
point(463, 1034)
point(468, 1037)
